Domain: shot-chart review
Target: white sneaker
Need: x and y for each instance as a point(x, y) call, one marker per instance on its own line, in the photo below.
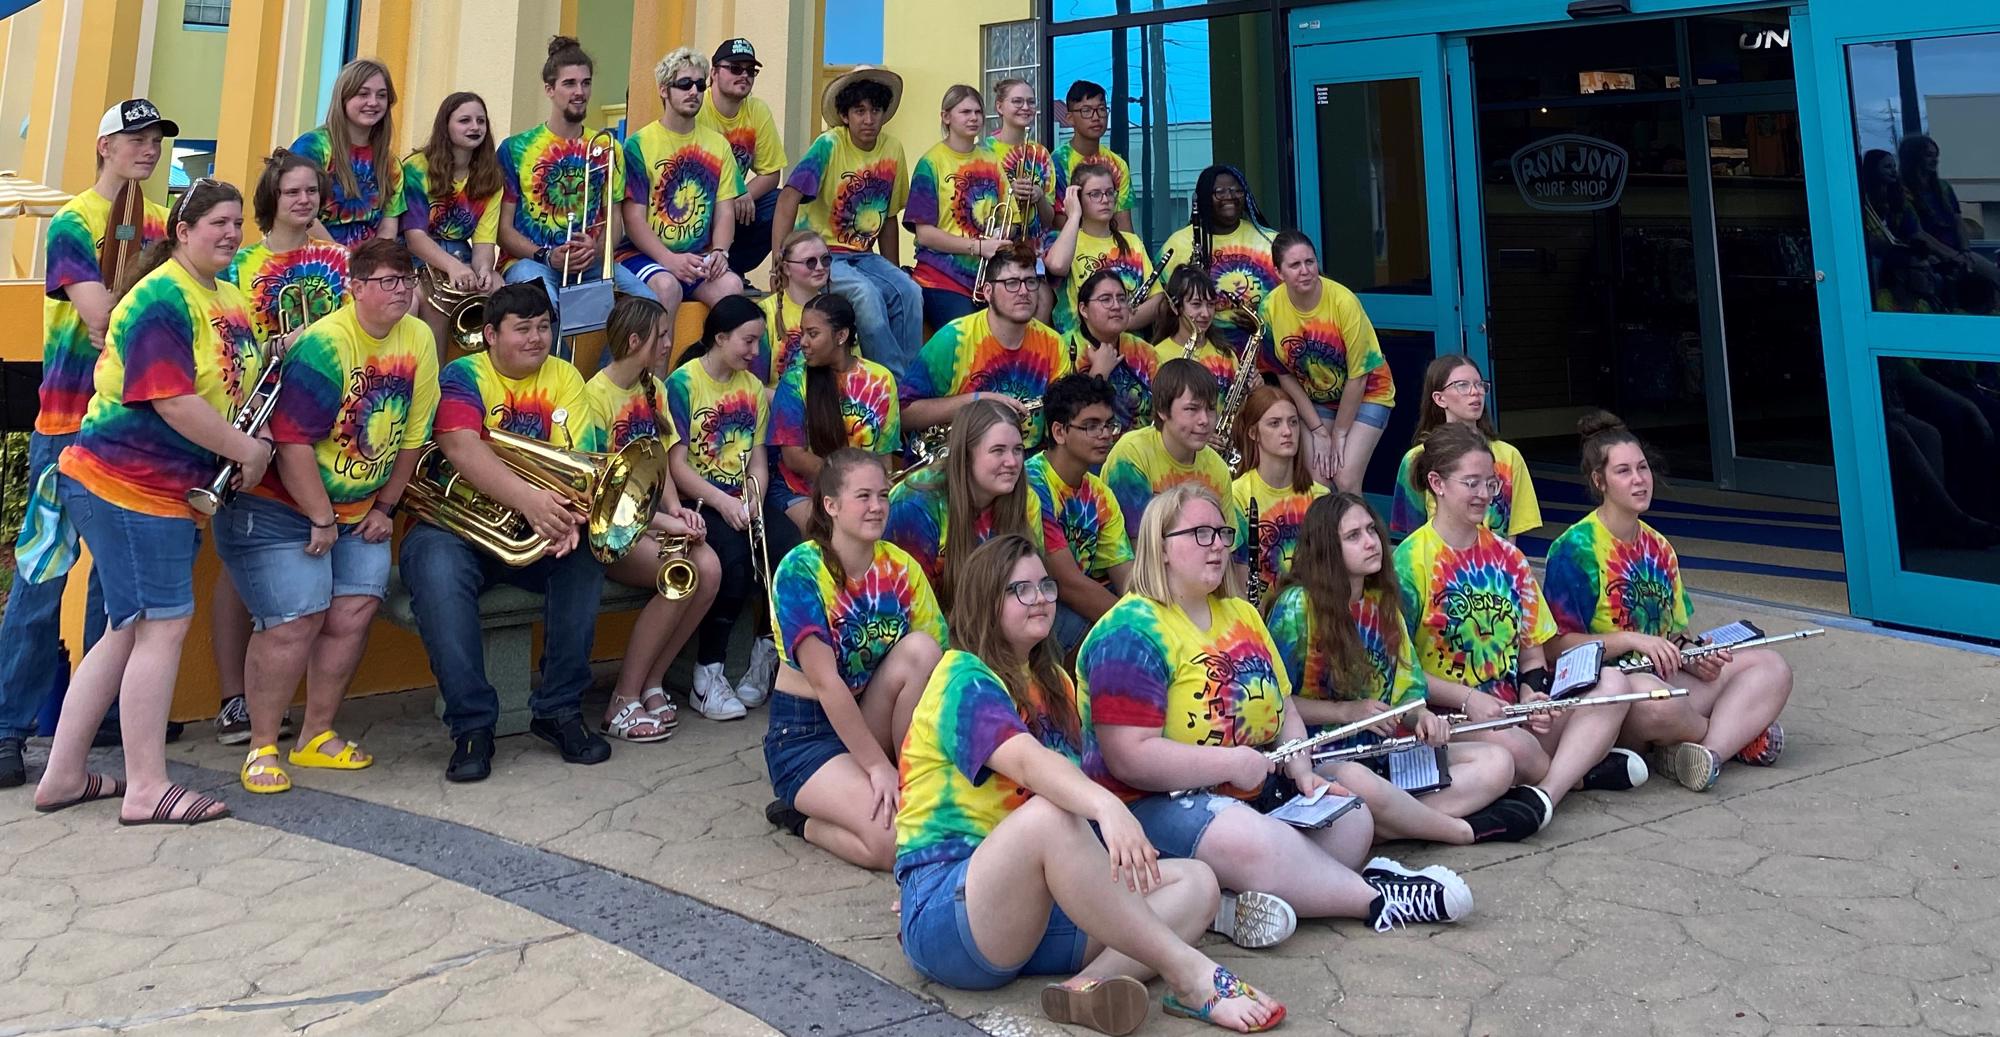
point(1254, 919)
point(712, 696)
point(755, 687)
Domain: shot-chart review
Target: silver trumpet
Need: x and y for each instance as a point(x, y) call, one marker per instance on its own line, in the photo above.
point(1286, 750)
point(1689, 654)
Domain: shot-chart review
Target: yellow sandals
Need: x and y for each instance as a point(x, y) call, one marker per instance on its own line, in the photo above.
point(252, 768)
point(351, 757)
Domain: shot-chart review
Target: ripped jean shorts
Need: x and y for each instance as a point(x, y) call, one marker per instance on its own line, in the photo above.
point(1175, 826)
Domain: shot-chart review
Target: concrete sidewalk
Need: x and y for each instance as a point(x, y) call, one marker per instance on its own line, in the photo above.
point(1856, 885)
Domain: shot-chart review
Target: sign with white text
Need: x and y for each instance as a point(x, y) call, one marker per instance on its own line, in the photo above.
point(1570, 173)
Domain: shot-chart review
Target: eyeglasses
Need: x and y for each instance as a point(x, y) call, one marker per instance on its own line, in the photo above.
point(1100, 195)
point(1022, 102)
point(689, 83)
point(1228, 192)
point(1102, 299)
point(389, 282)
point(1207, 536)
point(1013, 285)
point(1468, 385)
point(1473, 484)
point(1093, 428)
point(814, 262)
point(1088, 111)
point(1033, 592)
point(747, 71)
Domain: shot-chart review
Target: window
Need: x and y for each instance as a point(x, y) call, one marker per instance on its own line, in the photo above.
point(1939, 416)
point(1009, 53)
point(212, 14)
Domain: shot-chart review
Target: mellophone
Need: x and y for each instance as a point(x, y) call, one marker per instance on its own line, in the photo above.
point(1693, 652)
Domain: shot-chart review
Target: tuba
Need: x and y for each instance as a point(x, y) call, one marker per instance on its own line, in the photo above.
point(617, 492)
point(463, 308)
point(1240, 386)
point(678, 577)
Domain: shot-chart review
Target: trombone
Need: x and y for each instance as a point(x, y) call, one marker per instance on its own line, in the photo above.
point(760, 552)
point(586, 305)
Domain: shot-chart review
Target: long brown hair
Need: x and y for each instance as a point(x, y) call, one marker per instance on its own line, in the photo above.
point(1188, 279)
point(193, 204)
point(976, 628)
point(1429, 414)
point(1089, 171)
point(482, 173)
point(349, 82)
point(1320, 568)
point(1260, 401)
point(832, 479)
point(1010, 511)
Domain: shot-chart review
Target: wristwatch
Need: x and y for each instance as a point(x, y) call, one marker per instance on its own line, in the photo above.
point(386, 508)
point(542, 255)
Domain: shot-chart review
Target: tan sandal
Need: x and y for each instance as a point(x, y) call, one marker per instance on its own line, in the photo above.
point(1116, 1006)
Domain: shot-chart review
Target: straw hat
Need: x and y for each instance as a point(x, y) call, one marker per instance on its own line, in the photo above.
point(860, 73)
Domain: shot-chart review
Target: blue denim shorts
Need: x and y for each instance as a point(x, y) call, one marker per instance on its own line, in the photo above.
point(1175, 825)
point(144, 562)
point(1373, 414)
point(780, 495)
point(263, 545)
point(937, 934)
point(798, 743)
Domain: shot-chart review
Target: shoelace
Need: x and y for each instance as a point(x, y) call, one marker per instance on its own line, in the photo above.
point(1406, 902)
point(233, 711)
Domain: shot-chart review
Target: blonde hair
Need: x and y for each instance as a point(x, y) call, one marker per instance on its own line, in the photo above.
point(1149, 545)
point(684, 57)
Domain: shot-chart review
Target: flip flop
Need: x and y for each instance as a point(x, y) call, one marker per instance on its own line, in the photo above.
point(351, 757)
point(1116, 1006)
point(1226, 986)
point(197, 812)
point(95, 787)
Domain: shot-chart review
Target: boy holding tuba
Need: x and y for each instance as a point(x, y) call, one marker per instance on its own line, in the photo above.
point(514, 387)
point(308, 548)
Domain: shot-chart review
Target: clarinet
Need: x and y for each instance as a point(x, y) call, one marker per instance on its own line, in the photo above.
point(1146, 287)
point(1256, 560)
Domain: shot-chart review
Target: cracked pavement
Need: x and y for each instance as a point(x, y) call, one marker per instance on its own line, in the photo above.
point(1853, 887)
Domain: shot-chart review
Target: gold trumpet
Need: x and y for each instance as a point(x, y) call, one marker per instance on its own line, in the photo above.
point(678, 577)
point(464, 308)
point(209, 497)
point(617, 493)
point(929, 449)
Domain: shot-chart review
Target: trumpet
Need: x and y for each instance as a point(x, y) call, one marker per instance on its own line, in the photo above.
point(1246, 379)
point(1689, 654)
point(678, 577)
point(1146, 287)
point(209, 497)
point(1286, 750)
point(928, 450)
point(618, 494)
point(760, 551)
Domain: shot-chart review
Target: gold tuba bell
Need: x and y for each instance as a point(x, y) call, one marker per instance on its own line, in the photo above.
point(678, 577)
point(464, 308)
point(618, 492)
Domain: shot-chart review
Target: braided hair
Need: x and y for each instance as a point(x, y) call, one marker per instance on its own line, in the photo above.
point(1198, 211)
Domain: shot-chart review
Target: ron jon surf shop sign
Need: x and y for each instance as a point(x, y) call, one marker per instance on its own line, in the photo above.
point(1570, 173)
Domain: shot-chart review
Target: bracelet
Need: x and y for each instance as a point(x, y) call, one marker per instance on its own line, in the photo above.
point(328, 524)
point(388, 509)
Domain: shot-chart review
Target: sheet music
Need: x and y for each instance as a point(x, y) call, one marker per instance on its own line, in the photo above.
point(1731, 633)
point(1576, 669)
point(1315, 811)
point(1414, 768)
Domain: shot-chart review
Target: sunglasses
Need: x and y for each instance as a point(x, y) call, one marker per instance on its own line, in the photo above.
point(740, 70)
point(814, 262)
point(688, 83)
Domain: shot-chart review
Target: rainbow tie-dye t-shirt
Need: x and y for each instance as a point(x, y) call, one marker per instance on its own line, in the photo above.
point(1471, 612)
point(752, 135)
point(956, 193)
point(1088, 514)
point(318, 268)
point(775, 358)
point(964, 356)
point(551, 404)
point(544, 177)
point(358, 401)
point(1515, 509)
point(452, 215)
point(1140, 467)
point(1217, 361)
point(683, 179)
point(1393, 676)
point(1131, 378)
point(1599, 584)
point(862, 618)
point(169, 336)
point(868, 409)
point(919, 522)
point(352, 218)
point(952, 799)
point(1281, 513)
point(1325, 347)
point(1241, 263)
point(75, 236)
point(1028, 161)
point(850, 194)
point(1144, 664)
point(620, 415)
point(720, 422)
point(1093, 254)
point(1066, 159)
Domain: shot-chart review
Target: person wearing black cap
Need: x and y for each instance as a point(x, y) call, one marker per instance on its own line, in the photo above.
point(85, 244)
point(746, 123)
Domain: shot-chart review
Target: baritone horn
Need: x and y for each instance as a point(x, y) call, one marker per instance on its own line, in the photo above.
point(678, 577)
point(463, 308)
point(617, 493)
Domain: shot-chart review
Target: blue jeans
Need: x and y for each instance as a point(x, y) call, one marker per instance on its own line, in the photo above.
point(753, 240)
point(888, 307)
point(623, 281)
point(942, 306)
point(446, 576)
point(31, 661)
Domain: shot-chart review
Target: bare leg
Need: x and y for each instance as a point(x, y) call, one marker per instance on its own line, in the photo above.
point(837, 802)
point(335, 656)
point(668, 288)
point(229, 637)
point(710, 569)
point(91, 691)
point(1581, 737)
point(891, 696)
point(1398, 815)
point(800, 513)
point(1361, 440)
point(1251, 851)
point(663, 626)
point(277, 660)
point(1754, 689)
point(1531, 761)
point(1666, 721)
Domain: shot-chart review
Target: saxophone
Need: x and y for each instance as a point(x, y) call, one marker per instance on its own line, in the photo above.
point(1239, 387)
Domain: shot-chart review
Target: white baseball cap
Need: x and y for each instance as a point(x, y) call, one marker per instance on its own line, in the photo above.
point(134, 115)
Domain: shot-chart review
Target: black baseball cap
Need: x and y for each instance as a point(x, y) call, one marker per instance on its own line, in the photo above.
point(737, 50)
point(134, 115)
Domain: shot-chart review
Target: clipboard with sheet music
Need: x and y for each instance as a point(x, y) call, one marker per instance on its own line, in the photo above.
point(1418, 770)
point(1316, 810)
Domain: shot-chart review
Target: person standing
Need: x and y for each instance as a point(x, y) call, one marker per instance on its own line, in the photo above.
point(353, 146)
point(1089, 119)
point(82, 235)
point(679, 179)
point(746, 123)
point(849, 187)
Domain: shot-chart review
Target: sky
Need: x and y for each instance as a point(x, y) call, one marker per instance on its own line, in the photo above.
point(853, 32)
point(1953, 65)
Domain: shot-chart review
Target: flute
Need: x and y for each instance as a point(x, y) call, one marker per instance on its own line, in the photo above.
point(1522, 712)
point(1386, 746)
point(1643, 665)
point(1286, 750)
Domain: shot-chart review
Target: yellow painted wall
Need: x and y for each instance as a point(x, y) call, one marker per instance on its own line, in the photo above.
point(604, 27)
point(186, 79)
